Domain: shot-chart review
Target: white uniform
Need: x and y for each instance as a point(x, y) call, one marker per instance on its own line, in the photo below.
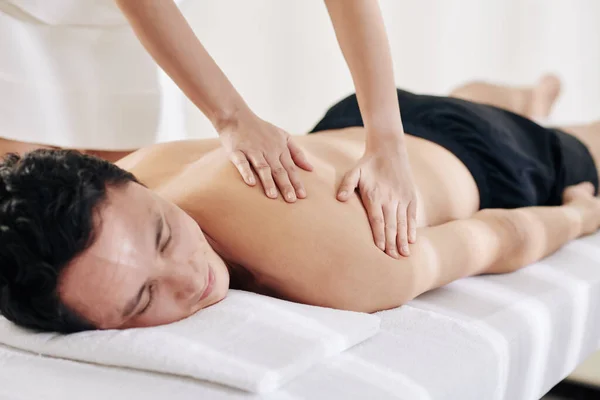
point(73, 74)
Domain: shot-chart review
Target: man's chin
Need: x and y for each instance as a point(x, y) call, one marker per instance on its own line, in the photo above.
point(222, 287)
point(219, 299)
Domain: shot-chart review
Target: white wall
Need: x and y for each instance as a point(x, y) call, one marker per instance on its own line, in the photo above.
point(283, 57)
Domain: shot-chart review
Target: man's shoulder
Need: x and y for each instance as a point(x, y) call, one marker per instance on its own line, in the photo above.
point(154, 165)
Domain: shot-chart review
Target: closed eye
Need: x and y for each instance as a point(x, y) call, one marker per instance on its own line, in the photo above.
point(168, 241)
point(150, 299)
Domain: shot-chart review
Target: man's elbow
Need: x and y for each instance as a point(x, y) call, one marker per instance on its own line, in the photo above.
point(387, 288)
point(368, 302)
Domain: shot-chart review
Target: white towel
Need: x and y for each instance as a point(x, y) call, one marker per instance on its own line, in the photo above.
point(251, 342)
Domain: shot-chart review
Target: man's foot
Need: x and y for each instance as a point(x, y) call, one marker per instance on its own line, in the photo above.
point(543, 96)
point(533, 102)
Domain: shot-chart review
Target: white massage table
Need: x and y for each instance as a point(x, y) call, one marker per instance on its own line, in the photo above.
point(496, 337)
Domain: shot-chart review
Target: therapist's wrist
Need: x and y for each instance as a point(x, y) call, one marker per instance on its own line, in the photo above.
point(230, 118)
point(391, 139)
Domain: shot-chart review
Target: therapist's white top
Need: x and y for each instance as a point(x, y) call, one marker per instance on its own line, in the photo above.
point(73, 74)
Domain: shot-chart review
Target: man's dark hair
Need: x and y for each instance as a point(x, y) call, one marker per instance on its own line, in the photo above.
point(48, 199)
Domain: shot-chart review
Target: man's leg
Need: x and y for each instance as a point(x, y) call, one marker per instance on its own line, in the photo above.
point(532, 102)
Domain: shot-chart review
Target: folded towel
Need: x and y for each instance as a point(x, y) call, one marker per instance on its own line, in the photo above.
point(248, 341)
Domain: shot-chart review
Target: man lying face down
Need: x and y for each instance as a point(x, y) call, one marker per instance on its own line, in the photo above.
point(85, 245)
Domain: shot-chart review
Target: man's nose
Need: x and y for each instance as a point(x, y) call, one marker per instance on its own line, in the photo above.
point(185, 283)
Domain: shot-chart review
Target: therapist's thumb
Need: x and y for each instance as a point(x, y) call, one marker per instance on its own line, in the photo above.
point(349, 183)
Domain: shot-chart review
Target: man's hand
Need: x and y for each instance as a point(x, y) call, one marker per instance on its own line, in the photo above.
point(384, 180)
point(581, 197)
point(254, 143)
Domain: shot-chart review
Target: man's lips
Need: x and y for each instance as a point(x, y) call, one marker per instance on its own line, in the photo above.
point(210, 283)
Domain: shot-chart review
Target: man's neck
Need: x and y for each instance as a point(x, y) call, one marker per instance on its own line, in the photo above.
point(239, 276)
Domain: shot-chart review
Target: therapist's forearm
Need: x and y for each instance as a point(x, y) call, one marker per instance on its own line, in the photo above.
point(167, 36)
point(360, 31)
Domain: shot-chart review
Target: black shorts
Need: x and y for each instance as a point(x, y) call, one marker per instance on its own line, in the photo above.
point(514, 161)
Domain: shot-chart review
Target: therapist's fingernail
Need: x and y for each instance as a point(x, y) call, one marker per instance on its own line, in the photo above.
point(272, 193)
point(394, 254)
point(381, 246)
point(291, 196)
point(343, 194)
point(251, 181)
point(405, 250)
point(301, 193)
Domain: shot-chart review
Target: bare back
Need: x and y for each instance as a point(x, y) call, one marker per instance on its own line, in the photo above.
point(290, 248)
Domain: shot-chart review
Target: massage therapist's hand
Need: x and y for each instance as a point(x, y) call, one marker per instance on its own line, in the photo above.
point(253, 143)
point(384, 179)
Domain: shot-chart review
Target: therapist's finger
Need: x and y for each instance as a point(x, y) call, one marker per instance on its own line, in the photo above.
point(349, 184)
point(412, 222)
point(403, 230)
point(376, 220)
point(282, 180)
point(263, 169)
point(238, 158)
point(294, 176)
point(390, 218)
point(298, 156)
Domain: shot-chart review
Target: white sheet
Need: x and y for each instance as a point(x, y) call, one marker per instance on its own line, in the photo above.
point(496, 337)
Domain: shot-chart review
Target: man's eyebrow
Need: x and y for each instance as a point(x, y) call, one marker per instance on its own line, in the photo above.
point(159, 230)
point(132, 304)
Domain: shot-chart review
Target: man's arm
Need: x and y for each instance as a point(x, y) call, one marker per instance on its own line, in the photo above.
point(320, 251)
point(492, 241)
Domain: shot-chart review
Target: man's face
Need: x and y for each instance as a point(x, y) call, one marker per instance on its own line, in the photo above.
point(149, 265)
